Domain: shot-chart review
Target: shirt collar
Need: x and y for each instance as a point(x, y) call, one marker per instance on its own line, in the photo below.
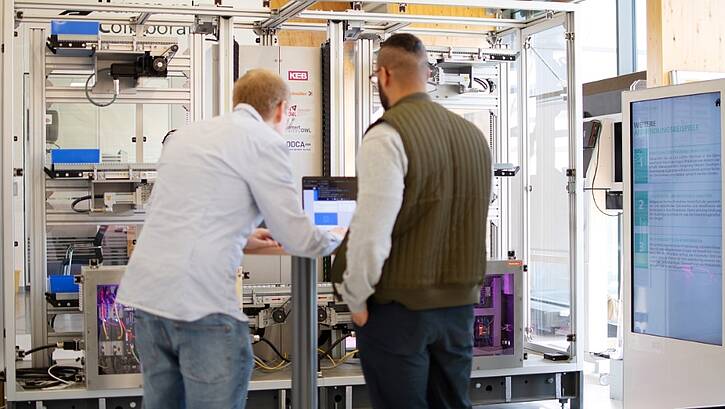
point(250, 110)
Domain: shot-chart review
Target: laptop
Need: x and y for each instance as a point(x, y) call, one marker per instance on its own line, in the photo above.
point(329, 201)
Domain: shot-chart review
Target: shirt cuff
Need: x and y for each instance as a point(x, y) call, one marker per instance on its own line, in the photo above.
point(352, 306)
point(355, 308)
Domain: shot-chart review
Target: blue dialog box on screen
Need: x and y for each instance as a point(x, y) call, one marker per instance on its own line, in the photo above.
point(326, 219)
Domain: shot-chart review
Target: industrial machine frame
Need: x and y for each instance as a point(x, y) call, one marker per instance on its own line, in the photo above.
point(535, 380)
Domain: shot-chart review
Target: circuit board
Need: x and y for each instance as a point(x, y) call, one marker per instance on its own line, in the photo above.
point(494, 316)
point(116, 337)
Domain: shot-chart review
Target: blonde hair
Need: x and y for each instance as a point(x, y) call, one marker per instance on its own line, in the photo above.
point(262, 89)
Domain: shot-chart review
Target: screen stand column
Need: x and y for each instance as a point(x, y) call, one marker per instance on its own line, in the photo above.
point(304, 326)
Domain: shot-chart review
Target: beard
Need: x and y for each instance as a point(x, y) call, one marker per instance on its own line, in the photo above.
point(384, 101)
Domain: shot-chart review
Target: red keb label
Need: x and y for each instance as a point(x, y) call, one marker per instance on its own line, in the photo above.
point(298, 75)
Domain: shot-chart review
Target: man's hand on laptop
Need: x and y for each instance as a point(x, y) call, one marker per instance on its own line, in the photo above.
point(260, 239)
point(339, 232)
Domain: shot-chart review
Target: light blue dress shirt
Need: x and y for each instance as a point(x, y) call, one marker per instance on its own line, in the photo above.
point(217, 180)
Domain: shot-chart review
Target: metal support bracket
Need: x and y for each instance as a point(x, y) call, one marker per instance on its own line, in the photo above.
point(267, 36)
point(206, 25)
point(559, 395)
point(509, 393)
point(571, 184)
point(289, 11)
point(393, 27)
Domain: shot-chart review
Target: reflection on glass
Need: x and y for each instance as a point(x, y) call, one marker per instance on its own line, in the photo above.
point(175, 80)
point(514, 154)
point(76, 126)
point(548, 153)
point(112, 129)
point(71, 246)
point(117, 130)
point(68, 80)
point(158, 121)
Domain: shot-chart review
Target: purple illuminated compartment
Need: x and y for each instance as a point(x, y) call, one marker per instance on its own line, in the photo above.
point(493, 325)
point(116, 337)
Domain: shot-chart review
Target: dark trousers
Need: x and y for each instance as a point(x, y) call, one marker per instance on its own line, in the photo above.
point(417, 359)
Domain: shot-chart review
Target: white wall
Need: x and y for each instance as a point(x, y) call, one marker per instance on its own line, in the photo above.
point(601, 243)
point(597, 33)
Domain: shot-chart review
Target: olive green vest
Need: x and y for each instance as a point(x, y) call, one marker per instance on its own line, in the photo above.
point(438, 253)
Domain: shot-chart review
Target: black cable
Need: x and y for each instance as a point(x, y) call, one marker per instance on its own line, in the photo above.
point(274, 349)
point(40, 348)
point(335, 344)
point(323, 338)
point(38, 378)
point(88, 94)
point(81, 199)
point(594, 180)
point(98, 243)
point(483, 84)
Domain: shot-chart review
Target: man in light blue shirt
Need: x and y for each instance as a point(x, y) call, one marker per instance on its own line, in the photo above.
point(217, 180)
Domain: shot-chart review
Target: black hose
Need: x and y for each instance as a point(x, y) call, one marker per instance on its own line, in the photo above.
point(323, 338)
point(40, 348)
point(88, 93)
point(81, 199)
point(98, 243)
point(274, 349)
point(335, 344)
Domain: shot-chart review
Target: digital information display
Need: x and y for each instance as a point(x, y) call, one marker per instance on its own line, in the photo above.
point(677, 218)
point(329, 202)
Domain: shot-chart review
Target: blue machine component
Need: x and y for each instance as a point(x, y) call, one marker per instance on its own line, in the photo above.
point(74, 38)
point(75, 28)
point(62, 284)
point(65, 156)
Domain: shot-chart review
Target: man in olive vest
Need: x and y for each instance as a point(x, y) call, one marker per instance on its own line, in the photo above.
point(413, 263)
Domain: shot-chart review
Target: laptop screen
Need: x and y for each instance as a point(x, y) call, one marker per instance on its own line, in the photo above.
point(329, 201)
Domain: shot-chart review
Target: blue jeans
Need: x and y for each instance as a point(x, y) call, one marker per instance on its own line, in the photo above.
point(204, 364)
point(417, 359)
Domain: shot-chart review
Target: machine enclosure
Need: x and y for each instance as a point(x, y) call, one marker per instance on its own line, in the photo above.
point(97, 282)
point(501, 345)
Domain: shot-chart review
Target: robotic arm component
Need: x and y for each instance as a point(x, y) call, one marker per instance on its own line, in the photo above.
point(146, 65)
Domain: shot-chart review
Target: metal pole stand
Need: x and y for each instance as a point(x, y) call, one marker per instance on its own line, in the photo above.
point(304, 325)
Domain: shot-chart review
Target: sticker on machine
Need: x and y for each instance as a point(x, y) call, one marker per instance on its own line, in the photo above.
point(298, 75)
point(299, 145)
point(295, 111)
point(296, 125)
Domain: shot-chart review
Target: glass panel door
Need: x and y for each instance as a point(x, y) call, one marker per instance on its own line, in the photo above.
point(547, 159)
